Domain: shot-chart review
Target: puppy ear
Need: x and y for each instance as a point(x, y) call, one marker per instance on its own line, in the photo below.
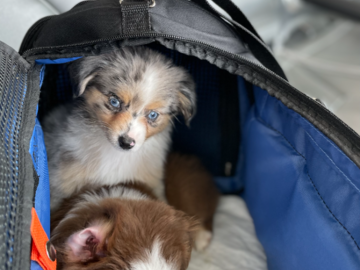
point(83, 83)
point(187, 99)
point(87, 244)
point(82, 71)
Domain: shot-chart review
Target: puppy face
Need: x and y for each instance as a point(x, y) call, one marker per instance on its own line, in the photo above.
point(132, 94)
point(124, 235)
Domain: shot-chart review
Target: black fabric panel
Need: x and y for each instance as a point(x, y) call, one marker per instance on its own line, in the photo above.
point(32, 33)
point(94, 22)
point(56, 88)
point(19, 88)
point(229, 120)
point(88, 21)
point(36, 183)
point(187, 20)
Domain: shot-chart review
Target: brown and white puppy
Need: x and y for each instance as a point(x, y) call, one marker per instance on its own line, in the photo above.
point(118, 127)
point(121, 227)
point(189, 187)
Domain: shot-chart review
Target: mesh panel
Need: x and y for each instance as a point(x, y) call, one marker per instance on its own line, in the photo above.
point(13, 83)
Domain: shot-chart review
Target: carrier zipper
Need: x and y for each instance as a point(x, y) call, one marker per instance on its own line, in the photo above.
point(240, 59)
point(225, 53)
point(29, 35)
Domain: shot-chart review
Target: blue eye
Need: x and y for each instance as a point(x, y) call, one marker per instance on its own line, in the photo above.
point(153, 115)
point(114, 102)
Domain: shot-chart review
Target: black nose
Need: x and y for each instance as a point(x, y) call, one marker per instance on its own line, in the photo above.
point(126, 142)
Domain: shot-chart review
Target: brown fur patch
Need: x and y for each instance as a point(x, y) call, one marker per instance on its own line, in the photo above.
point(133, 226)
point(156, 105)
point(189, 187)
point(126, 95)
point(161, 123)
point(118, 122)
point(94, 96)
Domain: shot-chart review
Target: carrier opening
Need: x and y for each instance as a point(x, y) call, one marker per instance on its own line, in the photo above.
point(213, 136)
point(287, 171)
point(214, 132)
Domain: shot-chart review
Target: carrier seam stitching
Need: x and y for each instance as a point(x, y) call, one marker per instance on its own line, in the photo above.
point(329, 141)
point(313, 184)
point(315, 117)
point(290, 113)
point(349, 180)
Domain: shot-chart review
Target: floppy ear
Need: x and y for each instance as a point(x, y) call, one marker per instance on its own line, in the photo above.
point(87, 244)
point(187, 99)
point(82, 71)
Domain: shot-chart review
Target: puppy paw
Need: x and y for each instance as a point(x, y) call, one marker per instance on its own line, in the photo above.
point(202, 239)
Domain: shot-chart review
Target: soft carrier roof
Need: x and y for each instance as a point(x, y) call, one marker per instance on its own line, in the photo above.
point(92, 27)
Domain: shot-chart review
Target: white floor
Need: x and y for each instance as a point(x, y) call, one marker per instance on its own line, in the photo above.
point(235, 245)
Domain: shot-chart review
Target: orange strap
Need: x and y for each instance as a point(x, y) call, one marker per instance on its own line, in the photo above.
point(39, 240)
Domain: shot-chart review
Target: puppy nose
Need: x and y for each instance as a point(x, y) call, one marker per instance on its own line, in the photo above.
point(126, 142)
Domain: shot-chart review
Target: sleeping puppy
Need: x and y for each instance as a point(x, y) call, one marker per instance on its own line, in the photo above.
point(118, 126)
point(189, 187)
point(121, 227)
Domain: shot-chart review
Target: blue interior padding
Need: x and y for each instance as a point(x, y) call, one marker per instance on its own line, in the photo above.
point(42, 193)
point(39, 157)
point(42, 197)
point(301, 190)
point(56, 61)
point(35, 266)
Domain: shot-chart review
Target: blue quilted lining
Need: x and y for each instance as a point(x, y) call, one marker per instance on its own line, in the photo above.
point(301, 189)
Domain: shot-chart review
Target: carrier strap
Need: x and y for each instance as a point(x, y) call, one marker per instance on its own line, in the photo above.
point(247, 34)
point(236, 14)
point(40, 249)
point(135, 17)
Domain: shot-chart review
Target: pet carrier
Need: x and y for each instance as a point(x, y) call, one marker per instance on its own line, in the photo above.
point(293, 161)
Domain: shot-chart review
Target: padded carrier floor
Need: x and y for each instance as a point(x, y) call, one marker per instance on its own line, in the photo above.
point(235, 245)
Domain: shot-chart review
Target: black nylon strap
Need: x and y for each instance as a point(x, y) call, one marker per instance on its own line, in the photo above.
point(135, 17)
point(237, 15)
point(247, 34)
